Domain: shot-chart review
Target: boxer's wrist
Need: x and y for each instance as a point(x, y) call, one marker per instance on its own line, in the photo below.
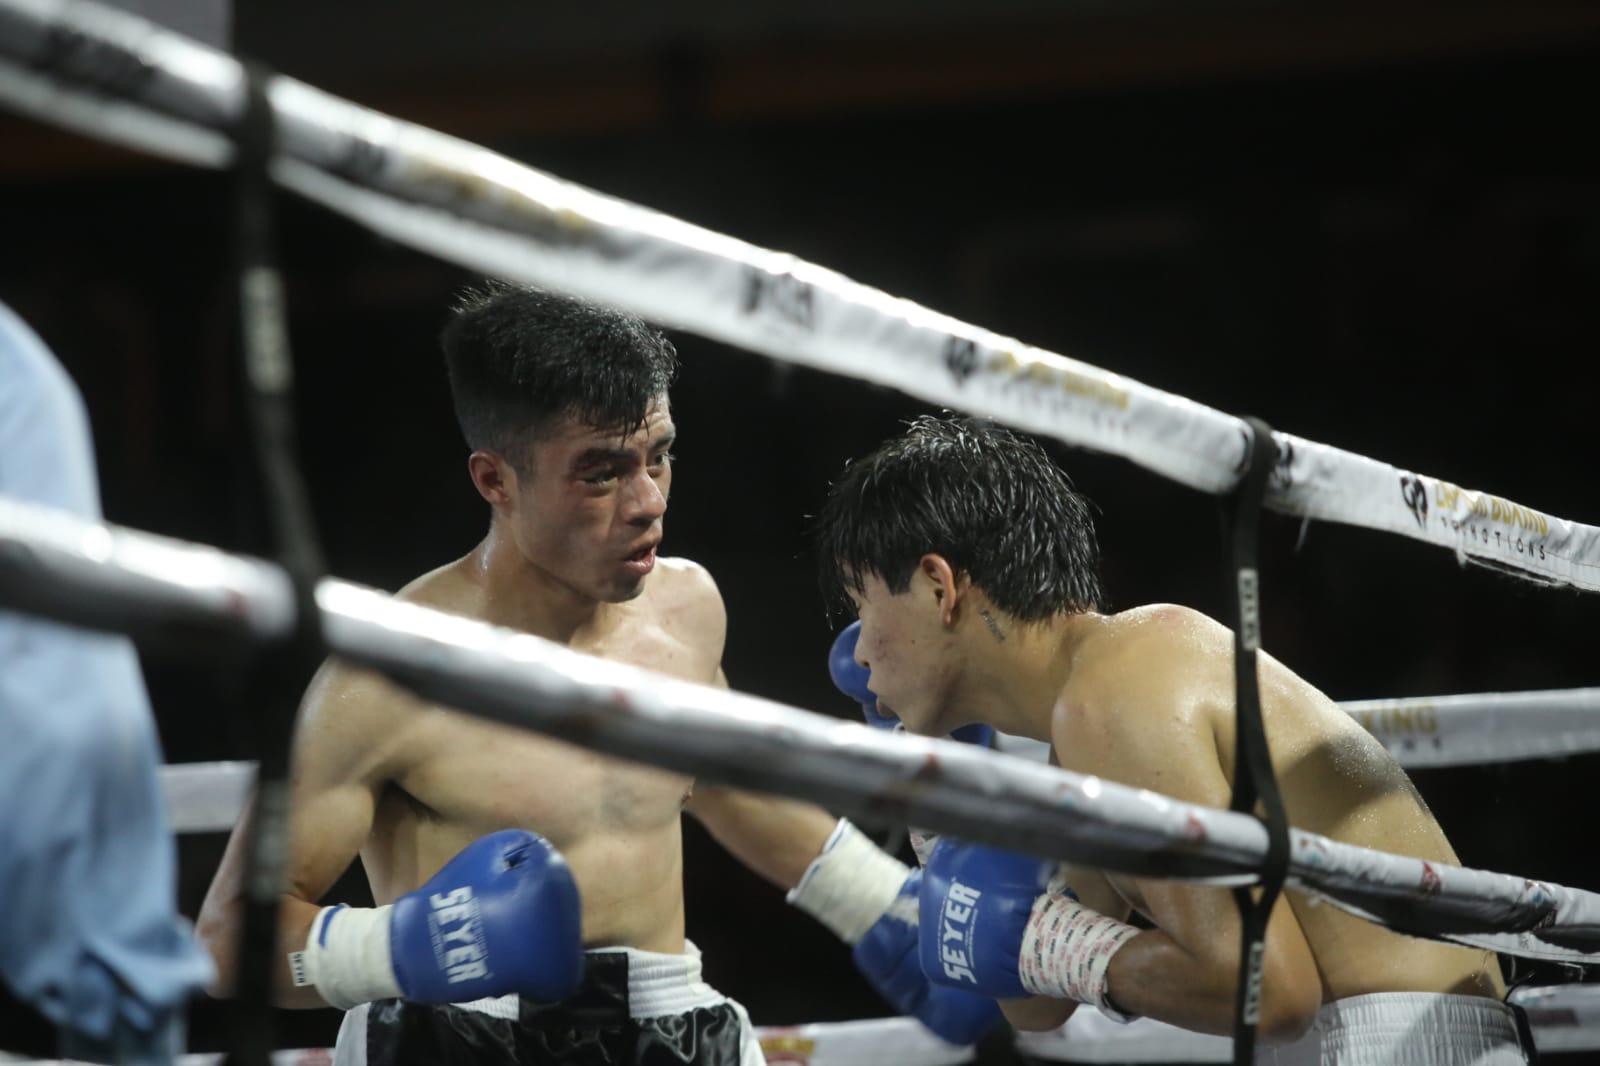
point(1067, 949)
point(850, 884)
point(347, 956)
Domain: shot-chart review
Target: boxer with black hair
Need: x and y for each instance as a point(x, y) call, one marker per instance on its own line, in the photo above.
point(973, 567)
point(531, 892)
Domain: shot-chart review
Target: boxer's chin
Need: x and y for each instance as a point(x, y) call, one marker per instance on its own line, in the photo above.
point(622, 588)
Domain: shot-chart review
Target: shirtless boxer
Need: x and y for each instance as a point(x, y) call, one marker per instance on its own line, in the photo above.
point(973, 567)
point(565, 407)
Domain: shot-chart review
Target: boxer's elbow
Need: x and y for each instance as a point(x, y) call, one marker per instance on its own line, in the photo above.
point(218, 932)
point(1289, 1005)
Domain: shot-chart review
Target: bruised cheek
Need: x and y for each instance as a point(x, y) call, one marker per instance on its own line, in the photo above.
point(884, 653)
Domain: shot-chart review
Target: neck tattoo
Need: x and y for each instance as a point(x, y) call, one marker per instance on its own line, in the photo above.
point(994, 627)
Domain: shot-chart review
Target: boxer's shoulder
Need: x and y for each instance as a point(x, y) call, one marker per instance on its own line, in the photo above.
point(1141, 652)
point(1170, 624)
point(1139, 684)
point(353, 722)
point(685, 599)
point(348, 703)
point(452, 587)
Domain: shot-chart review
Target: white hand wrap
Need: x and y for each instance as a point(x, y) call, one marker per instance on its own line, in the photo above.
point(850, 884)
point(347, 956)
point(1067, 948)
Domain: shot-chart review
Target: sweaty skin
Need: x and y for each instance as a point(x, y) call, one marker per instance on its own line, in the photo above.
point(450, 779)
point(1150, 703)
point(1145, 698)
point(407, 784)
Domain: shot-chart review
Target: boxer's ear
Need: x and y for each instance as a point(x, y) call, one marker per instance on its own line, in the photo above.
point(949, 587)
point(492, 476)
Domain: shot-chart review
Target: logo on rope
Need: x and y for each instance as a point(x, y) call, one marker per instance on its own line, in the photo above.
point(783, 297)
point(1432, 883)
point(105, 66)
point(960, 358)
point(1282, 477)
point(359, 161)
point(788, 1047)
point(1415, 496)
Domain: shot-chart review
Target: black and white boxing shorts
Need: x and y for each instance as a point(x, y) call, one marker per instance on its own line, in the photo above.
point(636, 1008)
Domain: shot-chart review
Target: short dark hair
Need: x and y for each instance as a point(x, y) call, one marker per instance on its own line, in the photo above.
point(988, 500)
point(519, 356)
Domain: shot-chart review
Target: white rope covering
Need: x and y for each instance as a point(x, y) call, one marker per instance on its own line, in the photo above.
point(1472, 730)
point(84, 572)
point(206, 797)
point(1487, 727)
point(123, 79)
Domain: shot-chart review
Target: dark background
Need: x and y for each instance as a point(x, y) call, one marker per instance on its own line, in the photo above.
point(1374, 225)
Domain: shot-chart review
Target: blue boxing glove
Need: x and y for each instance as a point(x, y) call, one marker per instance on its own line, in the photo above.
point(501, 917)
point(851, 678)
point(869, 899)
point(1006, 925)
point(887, 956)
point(975, 906)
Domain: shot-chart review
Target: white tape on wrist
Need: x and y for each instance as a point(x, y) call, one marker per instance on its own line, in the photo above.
point(346, 956)
point(850, 884)
point(1067, 949)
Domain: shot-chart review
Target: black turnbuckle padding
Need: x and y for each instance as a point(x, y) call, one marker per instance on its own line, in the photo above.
point(279, 670)
point(1253, 779)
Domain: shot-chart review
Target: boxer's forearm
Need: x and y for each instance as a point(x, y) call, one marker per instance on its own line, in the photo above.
point(775, 837)
point(218, 929)
point(1154, 976)
point(1038, 1014)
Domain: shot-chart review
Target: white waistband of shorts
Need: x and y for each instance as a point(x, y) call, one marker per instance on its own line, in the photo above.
point(658, 983)
point(1422, 1028)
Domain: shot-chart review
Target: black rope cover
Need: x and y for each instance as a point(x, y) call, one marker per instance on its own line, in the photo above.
point(1253, 779)
point(279, 671)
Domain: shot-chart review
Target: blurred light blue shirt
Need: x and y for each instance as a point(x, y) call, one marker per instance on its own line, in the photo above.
point(89, 929)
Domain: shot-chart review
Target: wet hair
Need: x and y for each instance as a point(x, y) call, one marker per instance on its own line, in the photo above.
point(988, 500)
point(520, 357)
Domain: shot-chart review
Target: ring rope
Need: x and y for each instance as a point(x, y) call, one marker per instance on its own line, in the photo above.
point(1468, 730)
point(120, 78)
point(1480, 729)
point(91, 573)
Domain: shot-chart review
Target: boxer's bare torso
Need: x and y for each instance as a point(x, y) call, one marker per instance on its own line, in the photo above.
point(438, 779)
point(406, 785)
point(1149, 702)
